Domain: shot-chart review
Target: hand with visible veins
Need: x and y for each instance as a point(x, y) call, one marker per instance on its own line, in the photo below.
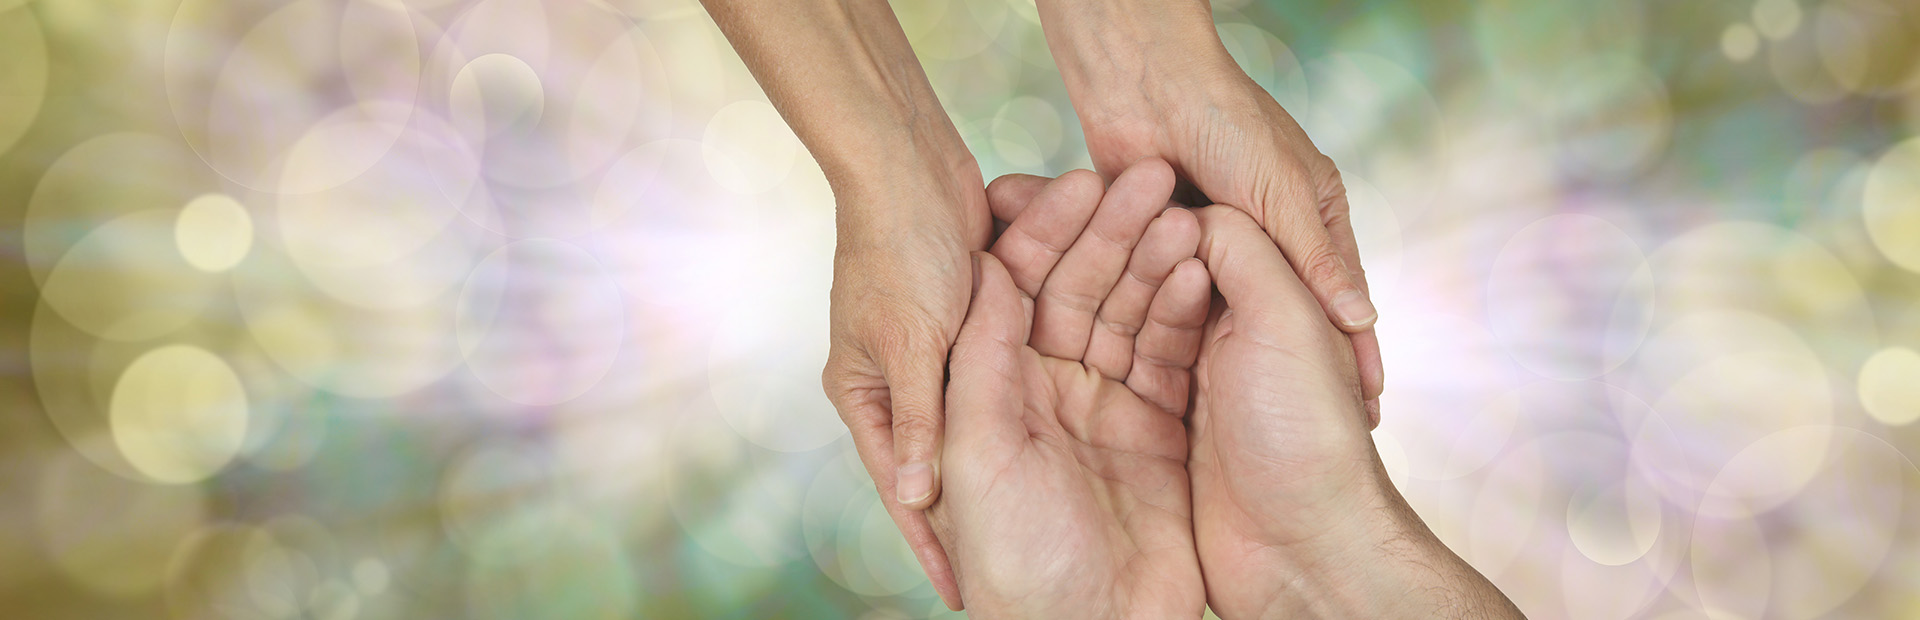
point(1066, 489)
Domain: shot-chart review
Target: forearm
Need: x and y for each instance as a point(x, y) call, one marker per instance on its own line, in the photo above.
point(1386, 564)
point(1117, 56)
point(843, 75)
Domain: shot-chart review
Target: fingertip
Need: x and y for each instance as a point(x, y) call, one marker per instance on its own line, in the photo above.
point(916, 485)
point(1352, 311)
point(1009, 195)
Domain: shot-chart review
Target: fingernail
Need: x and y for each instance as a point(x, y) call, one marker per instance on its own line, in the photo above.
point(1353, 309)
point(913, 482)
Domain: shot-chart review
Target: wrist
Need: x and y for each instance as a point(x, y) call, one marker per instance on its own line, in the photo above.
point(1382, 563)
point(1131, 58)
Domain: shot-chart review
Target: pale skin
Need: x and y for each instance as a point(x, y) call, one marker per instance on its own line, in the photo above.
point(1148, 79)
point(1068, 496)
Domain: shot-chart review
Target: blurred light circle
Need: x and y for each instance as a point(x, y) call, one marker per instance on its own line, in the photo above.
point(333, 600)
point(1269, 62)
point(581, 572)
point(1809, 555)
point(1611, 115)
point(393, 236)
point(1768, 472)
point(345, 349)
point(1027, 132)
point(213, 232)
point(1506, 506)
point(342, 146)
point(1570, 296)
point(496, 94)
point(246, 130)
point(1778, 19)
point(179, 414)
point(952, 29)
point(748, 148)
point(836, 516)
point(71, 199)
point(501, 501)
point(1892, 205)
point(764, 365)
point(1889, 386)
point(1755, 269)
point(73, 378)
point(1795, 62)
point(108, 534)
point(738, 502)
point(1447, 392)
point(1739, 42)
point(23, 72)
point(1870, 46)
point(1376, 229)
point(210, 574)
point(615, 455)
point(370, 576)
point(540, 322)
point(1528, 43)
point(884, 551)
point(1810, 187)
point(1719, 362)
point(1372, 116)
point(701, 59)
point(127, 280)
point(549, 111)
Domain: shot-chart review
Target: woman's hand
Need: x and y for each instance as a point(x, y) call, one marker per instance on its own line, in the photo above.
point(1151, 79)
point(1066, 487)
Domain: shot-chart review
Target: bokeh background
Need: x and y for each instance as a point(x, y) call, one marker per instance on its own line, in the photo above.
point(515, 309)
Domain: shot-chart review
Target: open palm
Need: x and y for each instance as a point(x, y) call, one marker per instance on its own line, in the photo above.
point(1066, 483)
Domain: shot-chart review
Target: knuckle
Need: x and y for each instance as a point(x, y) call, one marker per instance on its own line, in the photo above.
point(1323, 268)
point(915, 424)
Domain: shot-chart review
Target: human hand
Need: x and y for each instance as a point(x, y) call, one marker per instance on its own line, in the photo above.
point(901, 285)
point(1151, 79)
point(1066, 488)
point(1293, 511)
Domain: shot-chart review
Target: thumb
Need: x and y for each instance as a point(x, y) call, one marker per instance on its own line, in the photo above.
point(986, 357)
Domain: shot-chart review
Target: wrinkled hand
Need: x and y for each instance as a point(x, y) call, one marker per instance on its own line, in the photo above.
point(900, 291)
point(1151, 79)
point(1066, 491)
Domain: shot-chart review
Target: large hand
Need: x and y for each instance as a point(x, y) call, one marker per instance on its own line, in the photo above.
point(900, 291)
point(1151, 79)
point(1066, 488)
point(1293, 511)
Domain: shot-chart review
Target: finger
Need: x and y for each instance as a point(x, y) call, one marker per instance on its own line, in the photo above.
point(1250, 272)
point(1067, 303)
point(1297, 227)
point(983, 396)
point(1010, 194)
point(1170, 238)
point(1169, 341)
point(1046, 227)
point(915, 375)
point(872, 431)
point(1366, 344)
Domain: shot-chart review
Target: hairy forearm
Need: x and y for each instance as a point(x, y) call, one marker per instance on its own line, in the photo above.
point(843, 75)
point(1385, 564)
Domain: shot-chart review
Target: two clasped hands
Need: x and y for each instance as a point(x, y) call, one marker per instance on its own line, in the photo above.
point(1078, 397)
